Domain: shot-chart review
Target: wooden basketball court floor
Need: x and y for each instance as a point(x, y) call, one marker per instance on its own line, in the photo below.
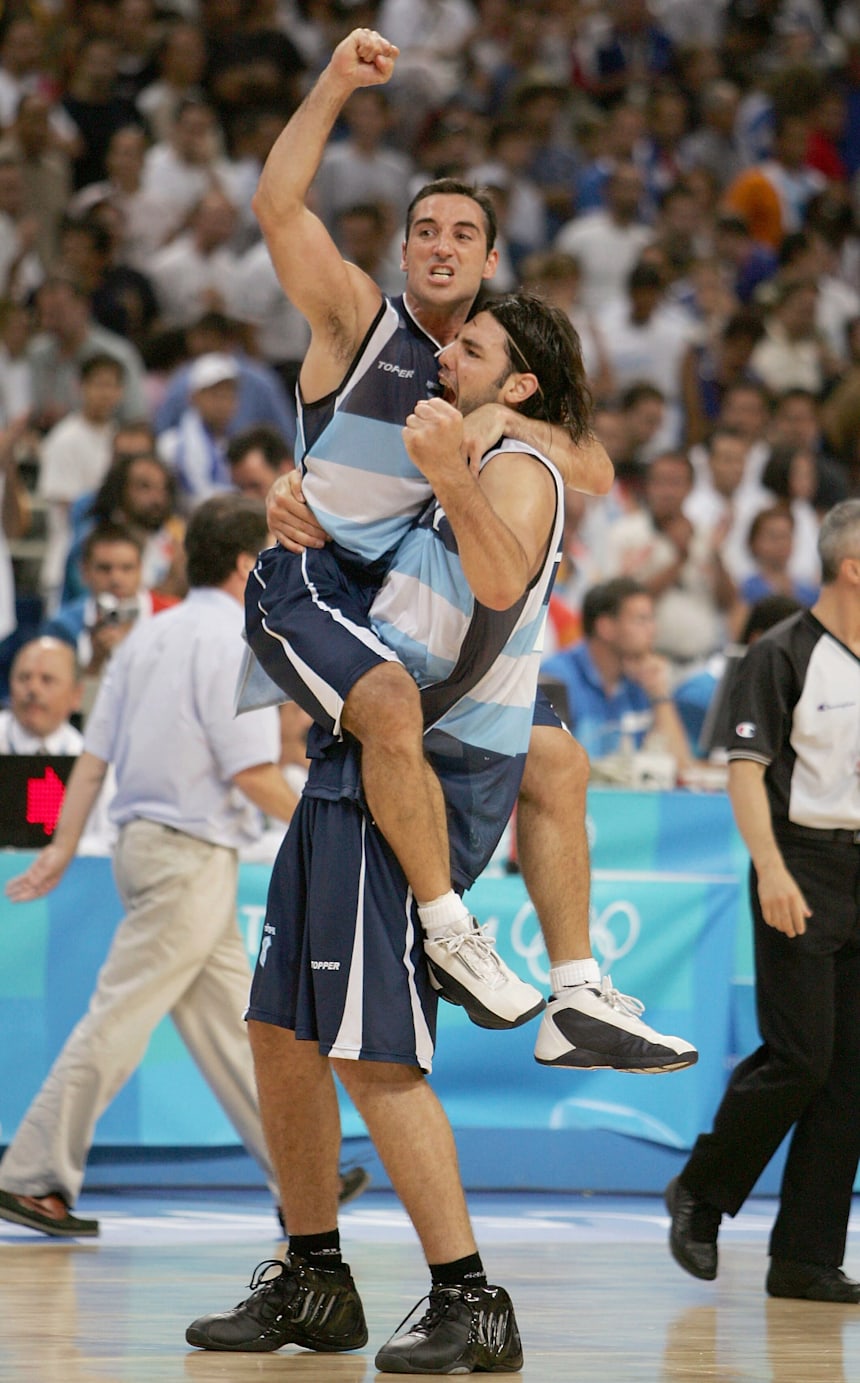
point(597, 1296)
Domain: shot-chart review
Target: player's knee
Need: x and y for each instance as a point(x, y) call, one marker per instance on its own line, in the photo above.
point(557, 767)
point(383, 710)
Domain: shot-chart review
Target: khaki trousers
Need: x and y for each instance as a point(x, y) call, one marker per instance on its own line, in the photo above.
point(178, 950)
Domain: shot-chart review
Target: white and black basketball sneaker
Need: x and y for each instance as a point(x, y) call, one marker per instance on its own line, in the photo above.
point(467, 969)
point(291, 1303)
point(463, 1330)
point(599, 1029)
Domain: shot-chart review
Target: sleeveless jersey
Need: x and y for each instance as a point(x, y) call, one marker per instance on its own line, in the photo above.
point(357, 477)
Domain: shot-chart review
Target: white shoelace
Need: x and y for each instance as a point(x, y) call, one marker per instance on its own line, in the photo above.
point(477, 950)
point(624, 1003)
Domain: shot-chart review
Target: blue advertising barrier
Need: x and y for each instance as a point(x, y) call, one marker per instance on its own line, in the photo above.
point(670, 922)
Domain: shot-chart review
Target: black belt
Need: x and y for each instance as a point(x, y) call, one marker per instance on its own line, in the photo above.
point(812, 833)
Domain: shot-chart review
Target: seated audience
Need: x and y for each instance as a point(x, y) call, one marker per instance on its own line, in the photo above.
point(44, 692)
point(196, 449)
point(617, 687)
point(256, 457)
point(75, 457)
point(770, 541)
point(115, 598)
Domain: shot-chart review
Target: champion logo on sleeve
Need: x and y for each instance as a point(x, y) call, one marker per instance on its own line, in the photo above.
point(746, 730)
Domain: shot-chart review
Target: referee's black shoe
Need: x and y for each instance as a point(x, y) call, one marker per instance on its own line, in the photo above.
point(463, 1330)
point(291, 1303)
point(810, 1282)
point(693, 1232)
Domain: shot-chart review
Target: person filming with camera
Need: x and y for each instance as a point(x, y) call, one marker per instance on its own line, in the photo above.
point(115, 599)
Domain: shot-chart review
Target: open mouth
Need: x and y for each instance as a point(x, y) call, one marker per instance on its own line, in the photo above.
point(441, 273)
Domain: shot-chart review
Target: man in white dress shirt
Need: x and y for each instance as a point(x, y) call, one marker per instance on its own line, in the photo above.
point(44, 691)
point(187, 775)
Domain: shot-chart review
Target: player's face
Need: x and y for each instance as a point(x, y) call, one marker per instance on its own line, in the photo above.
point(42, 688)
point(475, 367)
point(445, 256)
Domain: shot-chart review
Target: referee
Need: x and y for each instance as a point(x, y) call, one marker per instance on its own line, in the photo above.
point(794, 783)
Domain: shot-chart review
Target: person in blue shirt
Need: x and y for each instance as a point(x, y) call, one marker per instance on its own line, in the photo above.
point(616, 686)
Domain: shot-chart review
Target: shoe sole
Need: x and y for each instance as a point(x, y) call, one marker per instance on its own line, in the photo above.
point(69, 1228)
point(457, 994)
point(384, 1363)
point(582, 1060)
point(200, 1341)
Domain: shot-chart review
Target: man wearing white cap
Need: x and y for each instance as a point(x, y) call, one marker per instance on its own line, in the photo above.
point(196, 449)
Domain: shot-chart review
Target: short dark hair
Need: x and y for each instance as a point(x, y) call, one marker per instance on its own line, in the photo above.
point(102, 361)
point(452, 187)
point(542, 340)
point(109, 532)
point(607, 598)
point(272, 443)
point(220, 531)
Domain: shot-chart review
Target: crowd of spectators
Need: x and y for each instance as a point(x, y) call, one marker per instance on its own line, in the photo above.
point(682, 178)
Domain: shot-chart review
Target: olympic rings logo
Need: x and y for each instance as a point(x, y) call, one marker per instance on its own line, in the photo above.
point(614, 933)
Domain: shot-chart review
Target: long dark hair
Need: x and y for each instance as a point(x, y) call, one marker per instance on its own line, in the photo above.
point(542, 341)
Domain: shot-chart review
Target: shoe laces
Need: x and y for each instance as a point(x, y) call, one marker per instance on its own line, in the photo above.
point(440, 1301)
point(622, 1003)
point(477, 949)
point(274, 1289)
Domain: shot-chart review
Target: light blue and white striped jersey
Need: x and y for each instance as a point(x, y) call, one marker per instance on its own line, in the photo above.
point(482, 664)
point(357, 477)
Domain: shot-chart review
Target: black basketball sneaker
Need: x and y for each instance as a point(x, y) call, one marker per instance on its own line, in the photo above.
point(291, 1303)
point(463, 1330)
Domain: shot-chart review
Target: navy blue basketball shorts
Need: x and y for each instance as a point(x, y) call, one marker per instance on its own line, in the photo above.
point(307, 619)
point(341, 960)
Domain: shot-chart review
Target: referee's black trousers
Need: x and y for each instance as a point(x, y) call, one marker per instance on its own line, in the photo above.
point(806, 1073)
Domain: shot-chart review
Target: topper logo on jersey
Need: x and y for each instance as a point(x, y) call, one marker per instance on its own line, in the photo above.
point(325, 964)
point(391, 369)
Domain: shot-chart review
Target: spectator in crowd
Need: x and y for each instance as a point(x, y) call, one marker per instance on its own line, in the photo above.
point(679, 564)
point(607, 243)
point(115, 598)
point(362, 167)
point(746, 262)
point(646, 339)
point(75, 456)
point(633, 54)
point(711, 367)
point(181, 169)
point(770, 542)
point(195, 273)
point(121, 298)
point(136, 36)
point(44, 692)
point(22, 66)
point(67, 335)
point(165, 718)
point(840, 414)
point(21, 269)
point(618, 690)
point(262, 394)
point(45, 170)
point(181, 62)
point(252, 61)
point(792, 352)
point(714, 144)
point(724, 501)
point(772, 196)
point(139, 491)
point(142, 229)
point(791, 476)
point(256, 458)
point(95, 108)
point(541, 105)
point(556, 276)
point(196, 449)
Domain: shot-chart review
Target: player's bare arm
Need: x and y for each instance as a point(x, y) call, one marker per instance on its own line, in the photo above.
point(338, 300)
point(583, 464)
point(501, 519)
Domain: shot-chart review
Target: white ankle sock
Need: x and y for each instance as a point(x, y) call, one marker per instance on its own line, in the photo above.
point(446, 914)
point(571, 972)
